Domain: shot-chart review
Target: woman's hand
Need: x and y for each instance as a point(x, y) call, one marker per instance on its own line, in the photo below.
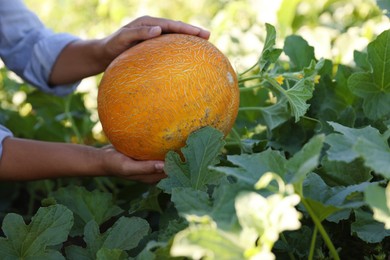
point(145, 28)
point(117, 164)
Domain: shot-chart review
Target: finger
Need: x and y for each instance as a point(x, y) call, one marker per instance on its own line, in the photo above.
point(131, 36)
point(144, 167)
point(169, 26)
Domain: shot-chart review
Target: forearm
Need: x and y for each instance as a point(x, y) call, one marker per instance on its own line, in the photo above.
point(32, 160)
point(78, 60)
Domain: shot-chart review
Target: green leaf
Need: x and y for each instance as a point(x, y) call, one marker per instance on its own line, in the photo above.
point(339, 173)
point(343, 92)
point(50, 226)
point(376, 102)
point(341, 144)
point(252, 166)
point(272, 116)
point(376, 153)
point(204, 241)
point(269, 54)
point(368, 229)
point(125, 234)
point(302, 90)
point(223, 209)
point(189, 201)
point(378, 198)
point(111, 254)
point(201, 152)
point(366, 143)
point(307, 159)
point(361, 60)
point(374, 87)
point(332, 99)
point(299, 52)
point(275, 115)
point(327, 200)
point(321, 210)
point(87, 205)
point(148, 201)
point(77, 253)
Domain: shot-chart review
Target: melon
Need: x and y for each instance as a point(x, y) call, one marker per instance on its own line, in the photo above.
point(155, 94)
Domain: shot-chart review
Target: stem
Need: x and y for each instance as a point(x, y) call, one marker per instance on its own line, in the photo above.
point(243, 89)
point(249, 69)
point(313, 243)
point(322, 230)
point(76, 131)
point(249, 78)
point(276, 85)
point(259, 109)
point(237, 137)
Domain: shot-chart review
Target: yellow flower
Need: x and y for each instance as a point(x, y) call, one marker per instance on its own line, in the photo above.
point(300, 76)
point(279, 79)
point(317, 79)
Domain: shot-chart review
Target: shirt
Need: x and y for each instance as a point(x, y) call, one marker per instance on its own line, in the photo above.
point(29, 49)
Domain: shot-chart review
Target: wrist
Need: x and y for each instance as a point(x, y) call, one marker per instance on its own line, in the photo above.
point(97, 161)
point(101, 58)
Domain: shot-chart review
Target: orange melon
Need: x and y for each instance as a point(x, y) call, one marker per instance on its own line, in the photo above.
point(156, 93)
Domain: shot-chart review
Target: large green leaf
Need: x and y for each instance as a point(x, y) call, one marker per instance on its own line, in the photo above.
point(206, 242)
point(336, 198)
point(367, 228)
point(190, 201)
point(125, 234)
point(201, 152)
point(366, 143)
point(339, 173)
point(299, 52)
point(374, 86)
point(49, 227)
point(87, 205)
point(306, 160)
point(378, 198)
point(250, 167)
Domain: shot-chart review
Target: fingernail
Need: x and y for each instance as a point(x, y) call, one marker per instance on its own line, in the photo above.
point(155, 30)
point(159, 166)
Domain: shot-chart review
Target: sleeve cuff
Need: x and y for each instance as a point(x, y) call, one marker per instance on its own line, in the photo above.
point(4, 133)
point(44, 56)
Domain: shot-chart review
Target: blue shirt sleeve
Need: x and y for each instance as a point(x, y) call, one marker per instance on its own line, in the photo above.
point(4, 133)
point(30, 49)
